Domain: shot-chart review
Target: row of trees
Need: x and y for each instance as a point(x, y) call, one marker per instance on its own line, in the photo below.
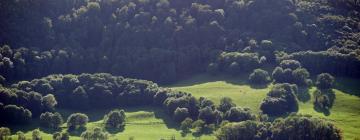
point(296, 127)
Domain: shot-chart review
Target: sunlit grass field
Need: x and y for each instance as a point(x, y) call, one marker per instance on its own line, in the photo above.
point(345, 112)
point(148, 123)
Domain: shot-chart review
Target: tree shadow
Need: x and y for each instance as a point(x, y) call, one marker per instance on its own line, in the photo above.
point(324, 101)
point(115, 130)
point(348, 85)
point(76, 132)
point(303, 94)
point(240, 79)
point(259, 86)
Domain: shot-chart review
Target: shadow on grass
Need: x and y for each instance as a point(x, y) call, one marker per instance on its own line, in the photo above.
point(77, 132)
point(348, 85)
point(205, 78)
point(115, 130)
point(303, 94)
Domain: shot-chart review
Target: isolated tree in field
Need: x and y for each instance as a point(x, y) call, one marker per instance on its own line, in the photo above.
point(115, 119)
point(259, 77)
point(77, 121)
point(280, 100)
point(225, 104)
point(180, 114)
point(325, 81)
point(51, 120)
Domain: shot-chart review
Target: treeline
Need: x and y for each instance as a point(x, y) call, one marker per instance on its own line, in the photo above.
point(341, 62)
point(159, 40)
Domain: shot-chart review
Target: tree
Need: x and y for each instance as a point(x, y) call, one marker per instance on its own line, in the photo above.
point(290, 64)
point(20, 135)
point(186, 125)
point(325, 81)
point(95, 134)
point(212, 68)
point(77, 121)
point(115, 119)
point(49, 102)
point(234, 68)
point(199, 126)
point(259, 77)
point(5, 133)
point(51, 120)
point(15, 114)
point(246, 130)
point(180, 114)
point(209, 115)
point(61, 136)
point(36, 135)
point(225, 104)
point(304, 127)
point(280, 100)
point(237, 114)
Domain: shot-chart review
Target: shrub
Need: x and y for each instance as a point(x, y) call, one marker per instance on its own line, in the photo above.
point(115, 119)
point(237, 114)
point(259, 77)
point(77, 121)
point(324, 81)
point(280, 100)
point(51, 120)
point(95, 134)
point(180, 114)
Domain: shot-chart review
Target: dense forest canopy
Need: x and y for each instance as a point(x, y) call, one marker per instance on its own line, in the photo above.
point(165, 40)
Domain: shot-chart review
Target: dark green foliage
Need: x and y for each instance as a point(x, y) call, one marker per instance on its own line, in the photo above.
point(115, 119)
point(209, 115)
point(186, 124)
point(61, 136)
point(246, 130)
point(13, 114)
point(95, 134)
point(323, 100)
point(180, 114)
point(225, 104)
point(237, 114)
point(77, 121)
point(325, 81)
point(235, 62)
point(304, 127)
point(280, 100)
point(20, 135)
point(259, 77)
point(291, 72)
point(51, 120)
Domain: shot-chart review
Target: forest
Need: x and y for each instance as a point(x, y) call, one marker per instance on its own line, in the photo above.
point(179, 69)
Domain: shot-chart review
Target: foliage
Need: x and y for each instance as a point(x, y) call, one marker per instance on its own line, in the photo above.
point(77, 121)
point(280, 100)
point(95, 134)
point(325, 81)
point(115, 119)
point(237, 114)
point(260, 77)
point(51, 120)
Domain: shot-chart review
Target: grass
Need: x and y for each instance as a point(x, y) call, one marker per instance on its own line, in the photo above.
point(345, 112)
point(147, 123)
point(142, 123)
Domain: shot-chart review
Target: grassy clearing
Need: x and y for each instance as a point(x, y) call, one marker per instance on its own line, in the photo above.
point(142, 123)
point(345, 112)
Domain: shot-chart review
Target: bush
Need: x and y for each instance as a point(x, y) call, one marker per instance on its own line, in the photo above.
point(115, 119)
point(61, 136)
point(95, 134)
point(77, 121)
point(186, 124)
point(304, 128)
point(324, 81)
point(259, 77)
point(5, 133)
point(51, 120)
point(180, 114)
point(246, 130)
point(225, 104)
point(280, 100)
point(237, 114)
